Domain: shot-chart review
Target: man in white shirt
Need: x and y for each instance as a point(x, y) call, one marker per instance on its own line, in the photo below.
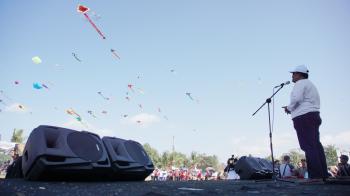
point(286, 169)
point(304, 108)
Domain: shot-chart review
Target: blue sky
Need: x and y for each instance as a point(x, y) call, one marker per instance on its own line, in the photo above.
point(227, 54)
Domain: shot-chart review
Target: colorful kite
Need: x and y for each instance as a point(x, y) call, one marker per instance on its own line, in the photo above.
point(115, 53)
point(104, 97)
point(71, 112)
point(37, 85)
point(36, 60)
point(76, 57)
point(130, 87)
point(82, 9)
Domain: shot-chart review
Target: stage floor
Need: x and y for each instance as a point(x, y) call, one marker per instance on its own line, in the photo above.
point(21, 187)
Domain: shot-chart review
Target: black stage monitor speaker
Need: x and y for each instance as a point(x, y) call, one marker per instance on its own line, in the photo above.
point(128, 159)
point(54, 153)
point(253, 168)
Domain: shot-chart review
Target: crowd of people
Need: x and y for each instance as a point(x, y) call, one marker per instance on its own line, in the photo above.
point(288, 170)
point(283, 170)
point(184, 174)
point(3, 167)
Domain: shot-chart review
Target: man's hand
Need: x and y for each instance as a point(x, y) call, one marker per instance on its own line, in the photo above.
point(286, 110)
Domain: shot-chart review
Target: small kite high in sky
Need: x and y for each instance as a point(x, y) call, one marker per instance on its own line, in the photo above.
point(36, 60)
point(130, 87)
point(104, 97)
point(76, 57)
point(189, 95)
point(20, 106)
point(83, 9)
point(71, 112)
point(37, 85)
point(91, 113)
point(114, 53)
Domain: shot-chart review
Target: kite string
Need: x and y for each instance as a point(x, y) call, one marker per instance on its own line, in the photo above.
point(98, 31)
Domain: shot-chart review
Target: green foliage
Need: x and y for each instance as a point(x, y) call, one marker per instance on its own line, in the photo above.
point(153, 154)
point(295, 156)
point(177, 159)
point(330, 152)
point(17, 136)
point(331, 155)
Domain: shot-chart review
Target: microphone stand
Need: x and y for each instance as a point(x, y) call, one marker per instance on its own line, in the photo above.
point(268, 101)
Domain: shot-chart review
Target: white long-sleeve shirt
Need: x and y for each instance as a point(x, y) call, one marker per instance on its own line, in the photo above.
point(304, 98)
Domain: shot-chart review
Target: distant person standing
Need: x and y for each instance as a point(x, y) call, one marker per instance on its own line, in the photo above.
point(304, 108)
point(343, 166)
point(286, 169)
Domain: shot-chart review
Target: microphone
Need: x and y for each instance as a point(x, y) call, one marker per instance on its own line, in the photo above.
point(286, 83)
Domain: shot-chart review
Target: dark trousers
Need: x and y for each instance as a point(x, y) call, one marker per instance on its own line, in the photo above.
point(307, 126)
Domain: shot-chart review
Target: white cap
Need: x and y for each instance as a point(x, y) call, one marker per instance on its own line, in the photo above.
point(300, 69)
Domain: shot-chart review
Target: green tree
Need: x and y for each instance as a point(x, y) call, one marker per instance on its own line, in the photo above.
point(179, 159)
point(213, 161)
point(165, 159)
point(330, 152)
point(295, 156)
point(195, 159)
point(17, 136)
point(153, 154)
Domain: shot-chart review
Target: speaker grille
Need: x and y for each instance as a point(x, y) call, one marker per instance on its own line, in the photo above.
point(137, 152)
point(85, 146)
